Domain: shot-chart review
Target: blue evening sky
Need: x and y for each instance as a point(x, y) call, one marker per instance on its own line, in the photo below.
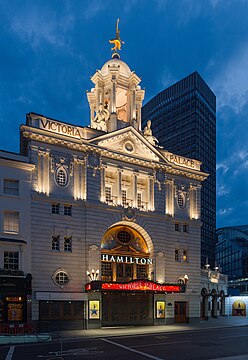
point(49, 50)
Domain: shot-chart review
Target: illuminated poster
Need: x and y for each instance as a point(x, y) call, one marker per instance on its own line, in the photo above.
point(15, 312)
point(94, 312)
point(239, 308)
point(160, 310)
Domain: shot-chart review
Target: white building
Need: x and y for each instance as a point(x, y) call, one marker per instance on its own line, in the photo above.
point(107, 197)
point(15, 244)
point(113, 218)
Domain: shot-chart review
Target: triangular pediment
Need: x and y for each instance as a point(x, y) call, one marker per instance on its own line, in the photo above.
point(130, 142)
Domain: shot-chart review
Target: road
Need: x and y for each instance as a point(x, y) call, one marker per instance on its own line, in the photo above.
point(227, 343)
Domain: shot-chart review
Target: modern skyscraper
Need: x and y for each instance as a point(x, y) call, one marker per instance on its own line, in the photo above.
point(184, 121)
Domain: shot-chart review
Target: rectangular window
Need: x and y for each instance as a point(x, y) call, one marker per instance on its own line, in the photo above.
point(68, 210)
point(177, 258)
point(55, 242)
point(11, 222)
point(68, 244)
point(55, 208)
point(11, 260)
point(177, 227)
point(11, 187)
point(108, 194)
point(124, 197)
point(185, 228)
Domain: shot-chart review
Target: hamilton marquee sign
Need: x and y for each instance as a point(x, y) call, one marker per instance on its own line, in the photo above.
point(126, 259)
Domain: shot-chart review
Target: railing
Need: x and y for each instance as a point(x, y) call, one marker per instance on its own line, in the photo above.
point(111, 200)
point(142, 206)
point(127, 202)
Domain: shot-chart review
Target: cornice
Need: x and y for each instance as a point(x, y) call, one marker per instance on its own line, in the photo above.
point(16, 164)
point(84, 146)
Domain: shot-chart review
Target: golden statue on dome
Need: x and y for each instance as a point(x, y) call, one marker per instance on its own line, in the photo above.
point(117, 41)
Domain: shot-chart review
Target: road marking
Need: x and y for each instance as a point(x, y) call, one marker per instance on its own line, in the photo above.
point(133, 350)
point(10, 353)
point(235, 357)
point(163, 343)
point(233, 336)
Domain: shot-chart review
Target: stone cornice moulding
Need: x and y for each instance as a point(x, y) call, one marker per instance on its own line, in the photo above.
point(17, 164)
point(84, 145)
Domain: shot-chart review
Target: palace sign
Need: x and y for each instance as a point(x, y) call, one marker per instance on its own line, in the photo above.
point(126, 259)
point(135, 285)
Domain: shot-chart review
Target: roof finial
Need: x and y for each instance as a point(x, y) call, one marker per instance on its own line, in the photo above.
point(117, 41)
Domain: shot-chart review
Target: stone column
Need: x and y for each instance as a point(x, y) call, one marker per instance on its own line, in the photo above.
point(103, 183)
point(135, 175)
point(151, 192)
point(170, 196)
point(43, 171)
point(113, 95)
point(133, 104)
point(118, 192)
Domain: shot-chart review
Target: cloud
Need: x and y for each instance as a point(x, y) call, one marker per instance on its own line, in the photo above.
point(92, 9)
point(224, 211)
point(167, 79)
point(222, 190)
point(231, 84)
point(222, 166)
point(35, 24)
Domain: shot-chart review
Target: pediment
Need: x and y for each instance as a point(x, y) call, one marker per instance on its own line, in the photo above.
point(128, 142)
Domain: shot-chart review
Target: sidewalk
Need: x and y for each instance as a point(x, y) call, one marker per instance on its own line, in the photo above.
point(228, 321)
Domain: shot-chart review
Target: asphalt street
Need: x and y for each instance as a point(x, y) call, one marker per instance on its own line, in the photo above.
point(201, 344)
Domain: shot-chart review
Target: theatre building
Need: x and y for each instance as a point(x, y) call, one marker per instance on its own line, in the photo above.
point(115, 218)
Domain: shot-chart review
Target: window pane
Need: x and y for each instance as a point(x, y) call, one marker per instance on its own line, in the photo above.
point(11, 222)
point(11, 260)
point(11, 187)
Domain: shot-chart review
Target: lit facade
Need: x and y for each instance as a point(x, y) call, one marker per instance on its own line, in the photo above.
point(114, 218)
point(184, 121)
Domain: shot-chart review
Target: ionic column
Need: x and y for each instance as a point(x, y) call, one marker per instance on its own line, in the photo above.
point(194, 207)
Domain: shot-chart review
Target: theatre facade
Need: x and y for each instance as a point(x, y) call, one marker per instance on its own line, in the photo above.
point(114, 217)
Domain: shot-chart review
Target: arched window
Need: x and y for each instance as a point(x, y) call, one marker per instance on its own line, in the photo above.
point(61, 177)
point(181, 200)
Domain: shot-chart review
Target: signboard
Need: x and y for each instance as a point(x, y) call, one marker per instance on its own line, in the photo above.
point(160, 309)
point(126, 259)
point(94, 309)
point(135, 285)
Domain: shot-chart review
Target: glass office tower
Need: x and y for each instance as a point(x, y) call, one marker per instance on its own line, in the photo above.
point(184, 121)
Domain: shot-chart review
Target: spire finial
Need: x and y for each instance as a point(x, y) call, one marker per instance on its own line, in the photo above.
point(117, 41)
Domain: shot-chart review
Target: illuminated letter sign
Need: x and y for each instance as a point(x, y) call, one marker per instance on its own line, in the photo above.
point(126, 259)
point(60, 128)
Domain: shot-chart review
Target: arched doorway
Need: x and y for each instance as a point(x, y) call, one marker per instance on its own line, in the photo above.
point(125, 257)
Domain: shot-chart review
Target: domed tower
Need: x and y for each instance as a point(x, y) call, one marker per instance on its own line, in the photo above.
point(116, 100)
